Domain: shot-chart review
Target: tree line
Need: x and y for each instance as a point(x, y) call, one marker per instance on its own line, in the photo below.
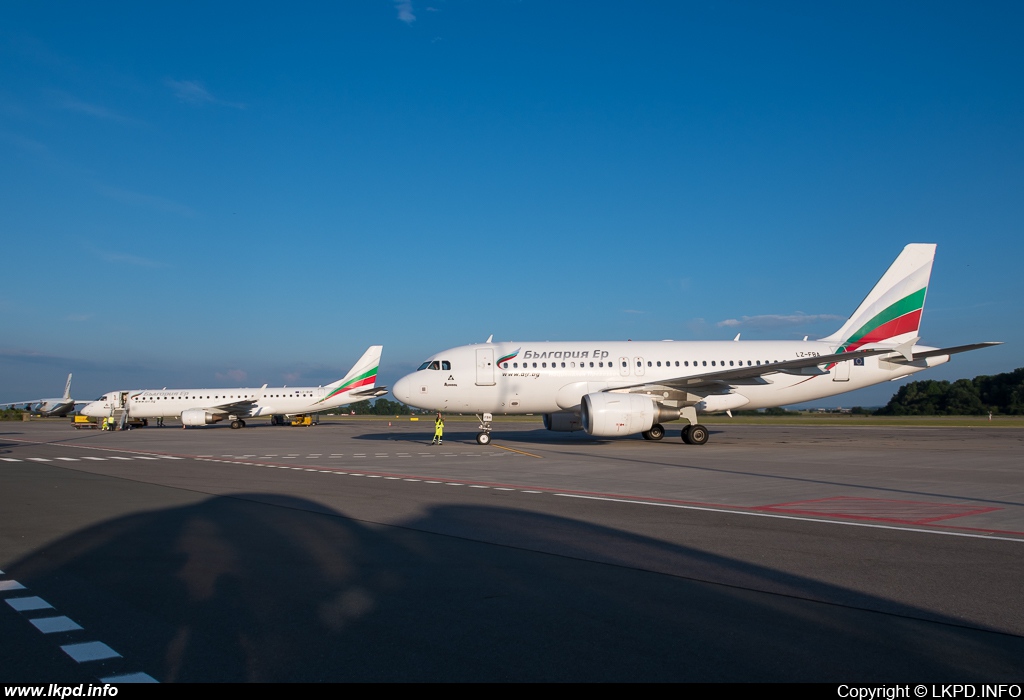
point(999, 394)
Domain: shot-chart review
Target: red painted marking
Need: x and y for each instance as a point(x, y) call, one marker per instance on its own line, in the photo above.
point(880, 509)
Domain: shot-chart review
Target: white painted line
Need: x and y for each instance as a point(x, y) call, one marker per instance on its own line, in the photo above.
point(124, 458)
point(344, 473)
point(49, 625)
point(391, 478)
point(432, 482)
point(43, 459)
point(130, 678)
point(10, 585)
point(792, 517)
point(373, 476)
point(288, 457)
point(477, 486)
point(318, 454)
point(410, 479)
point(141, 457)
point(96, 459)
point(89, 651)
point(533, 492)
point(169, 457)
point(9, 459)
point(452, 483)
point(68, 459)
point(30, 603)
point(503, 488)
point(357, 474)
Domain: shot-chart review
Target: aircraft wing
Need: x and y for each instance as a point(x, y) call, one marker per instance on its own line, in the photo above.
point(947, 351)
point(706, 382)
point(232, 407)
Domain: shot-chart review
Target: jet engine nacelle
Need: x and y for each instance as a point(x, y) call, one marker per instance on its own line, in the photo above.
point(198, 416)
point(719, 403)
point(563, 422)
point(607, 415)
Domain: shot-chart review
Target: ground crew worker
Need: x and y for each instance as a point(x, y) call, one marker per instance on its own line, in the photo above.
point(438, 429)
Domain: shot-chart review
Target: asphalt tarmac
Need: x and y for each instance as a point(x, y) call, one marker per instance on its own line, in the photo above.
point(355, 551)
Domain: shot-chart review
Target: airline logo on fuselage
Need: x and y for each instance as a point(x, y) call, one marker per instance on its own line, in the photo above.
point(564, 355)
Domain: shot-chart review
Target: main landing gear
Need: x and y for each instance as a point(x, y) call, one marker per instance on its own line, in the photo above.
point(695, 434)
point(656, 432)
point(237, 423)
point(484, 436)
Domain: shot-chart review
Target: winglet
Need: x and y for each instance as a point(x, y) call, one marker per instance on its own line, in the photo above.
point(906, 349)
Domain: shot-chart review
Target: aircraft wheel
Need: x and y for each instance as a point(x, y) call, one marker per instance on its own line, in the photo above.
point(698, 435)
point(236, 424)
point(646, 435)
point(483, 438)
point(686, 434)
point(656, 432)
point(242, 422)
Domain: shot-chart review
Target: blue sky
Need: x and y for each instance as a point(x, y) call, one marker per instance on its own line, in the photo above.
point(200, 194)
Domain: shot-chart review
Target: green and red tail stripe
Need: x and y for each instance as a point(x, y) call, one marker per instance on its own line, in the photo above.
point(369, 377)
point(902, 317)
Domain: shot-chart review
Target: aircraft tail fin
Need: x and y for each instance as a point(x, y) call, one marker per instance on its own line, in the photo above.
point(891, 312)
point(67, 389)
point(360, 378)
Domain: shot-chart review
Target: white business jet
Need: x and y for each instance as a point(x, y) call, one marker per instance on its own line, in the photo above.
point(621, 388)
point(49, 407)
point(206, 406)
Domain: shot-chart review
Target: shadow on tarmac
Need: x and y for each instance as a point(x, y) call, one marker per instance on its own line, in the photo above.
point(279, 589)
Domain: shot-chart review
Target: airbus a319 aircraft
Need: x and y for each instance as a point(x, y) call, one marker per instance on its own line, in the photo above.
point(621, 388)
point(206, 406)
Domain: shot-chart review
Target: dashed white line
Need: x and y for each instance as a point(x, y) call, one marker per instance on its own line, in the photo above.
point(30, 603)
point(10, 585)
point(61, 623)
point(89, 651)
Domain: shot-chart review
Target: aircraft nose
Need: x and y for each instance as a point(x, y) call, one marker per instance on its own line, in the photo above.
point(402, 390)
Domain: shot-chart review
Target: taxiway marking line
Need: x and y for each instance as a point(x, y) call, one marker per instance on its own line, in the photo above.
point(528, 454)
point(790, 517)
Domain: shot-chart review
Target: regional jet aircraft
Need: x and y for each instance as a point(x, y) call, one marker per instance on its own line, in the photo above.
point(49, 407)
point(621, 388)
point(205, 406)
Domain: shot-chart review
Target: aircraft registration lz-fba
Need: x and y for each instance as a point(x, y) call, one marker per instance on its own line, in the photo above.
point(206, 406)
point(619, 388)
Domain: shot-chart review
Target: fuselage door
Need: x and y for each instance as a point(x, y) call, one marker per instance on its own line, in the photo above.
point(485, 367)
point(841, 372)
point(638, 366)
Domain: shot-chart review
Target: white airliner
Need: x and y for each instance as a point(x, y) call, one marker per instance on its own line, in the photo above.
point(50, 407)
point(621, 388)
point(205, 406)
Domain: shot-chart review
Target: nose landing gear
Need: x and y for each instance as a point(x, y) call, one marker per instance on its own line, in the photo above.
point(484, 436)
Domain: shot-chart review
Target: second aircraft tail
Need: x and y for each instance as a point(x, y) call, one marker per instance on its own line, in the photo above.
point(361, 379)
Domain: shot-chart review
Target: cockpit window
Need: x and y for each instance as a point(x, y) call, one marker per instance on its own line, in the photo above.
point(446, 365)
point(424, 365)
point(433, 365)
